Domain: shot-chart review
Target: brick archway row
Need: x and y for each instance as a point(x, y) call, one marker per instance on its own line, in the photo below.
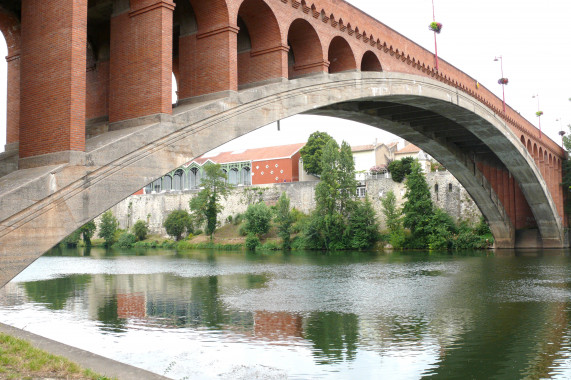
point(46, 204)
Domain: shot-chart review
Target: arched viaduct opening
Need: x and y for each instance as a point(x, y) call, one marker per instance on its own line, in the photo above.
point(478, 148)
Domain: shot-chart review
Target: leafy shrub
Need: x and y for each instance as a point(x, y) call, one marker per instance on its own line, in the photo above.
point(258, 217)
point(270, 246)
point(141, 230)
point(177, 223)
point(126, 240)
point(252, 241)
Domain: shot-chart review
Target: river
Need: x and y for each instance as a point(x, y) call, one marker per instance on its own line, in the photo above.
point(231, 315)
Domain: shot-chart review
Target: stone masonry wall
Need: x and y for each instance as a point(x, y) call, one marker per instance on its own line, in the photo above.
point(155, 207)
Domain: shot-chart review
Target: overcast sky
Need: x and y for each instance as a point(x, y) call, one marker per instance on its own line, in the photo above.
point(533, 37)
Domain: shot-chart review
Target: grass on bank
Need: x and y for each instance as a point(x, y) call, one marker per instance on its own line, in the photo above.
point(20, 360)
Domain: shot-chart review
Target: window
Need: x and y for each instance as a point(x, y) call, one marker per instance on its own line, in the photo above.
point(233, 177)
point(177, 180)
point(449, 187)
point(149, 188)
point(361, 191)
point(167, 183)
point(194, 175)
point(436, 190)
point(157, 186)
point(246, 177)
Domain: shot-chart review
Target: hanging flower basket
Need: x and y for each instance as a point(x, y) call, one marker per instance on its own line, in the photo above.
point(561, 133)
point(503, 81)
point(539, 113)
point(435, 26)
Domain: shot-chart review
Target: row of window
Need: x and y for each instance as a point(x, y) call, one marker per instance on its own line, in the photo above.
point(182, 180)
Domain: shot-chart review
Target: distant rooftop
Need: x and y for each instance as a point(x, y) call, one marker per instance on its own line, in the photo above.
point(410, 148)
point(256, 154)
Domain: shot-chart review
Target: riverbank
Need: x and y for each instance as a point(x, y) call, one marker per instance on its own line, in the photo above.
point(24, 355)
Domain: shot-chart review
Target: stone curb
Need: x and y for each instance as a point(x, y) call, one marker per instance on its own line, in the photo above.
point(102, 365)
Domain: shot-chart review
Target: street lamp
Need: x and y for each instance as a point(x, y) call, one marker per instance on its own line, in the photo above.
point(538, 113)
point(503, 81)
point(435, 47)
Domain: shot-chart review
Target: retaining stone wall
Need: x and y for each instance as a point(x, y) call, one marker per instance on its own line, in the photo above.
point(155, 207)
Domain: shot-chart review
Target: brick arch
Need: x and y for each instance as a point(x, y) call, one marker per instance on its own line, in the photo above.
point(267, 58)
point(522, 139)
point(529, 148)
point(205, 27)
point(305, 50)
point(535, 154)
point(340, 56)
point(370, 62)
point(211, 15)
point(10, 28)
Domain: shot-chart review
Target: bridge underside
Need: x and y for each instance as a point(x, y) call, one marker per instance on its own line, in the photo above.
point(40, 206)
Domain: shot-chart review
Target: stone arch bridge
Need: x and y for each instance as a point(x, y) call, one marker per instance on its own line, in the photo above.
point(90, 119)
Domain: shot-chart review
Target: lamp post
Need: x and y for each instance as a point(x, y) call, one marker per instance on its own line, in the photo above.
point(538, 113)
point(435, 47)
point(503, 81)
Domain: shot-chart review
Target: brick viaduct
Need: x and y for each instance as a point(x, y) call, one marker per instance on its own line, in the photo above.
point(90, 118)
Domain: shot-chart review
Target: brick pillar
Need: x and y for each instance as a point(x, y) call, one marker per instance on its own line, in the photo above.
point(141, 60)
point(52, 105)
point(13, 99)
point(207, 62)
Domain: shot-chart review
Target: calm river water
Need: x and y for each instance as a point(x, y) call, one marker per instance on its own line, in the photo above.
point(220, 315)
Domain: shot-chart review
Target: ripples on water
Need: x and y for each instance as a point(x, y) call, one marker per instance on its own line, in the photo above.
point(208, 315)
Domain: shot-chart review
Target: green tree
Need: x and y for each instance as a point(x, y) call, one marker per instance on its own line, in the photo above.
point(363, 231)
point(87, 231)
point(346, 178)
point(284, 220)
point(177, 222)
point(399, 169)
point(335, 220)
point(141, 230)
point(258, 218)
point(441, 230)
point(206, 206)
point(108, 227)
point(418, 208)
point(393, 217)
point(311, 152)
point(327, 227)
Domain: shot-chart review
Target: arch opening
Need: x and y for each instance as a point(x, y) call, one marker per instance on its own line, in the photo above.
point(340, 56)
point(261, 56)
point(370, 62)
point(305, 54)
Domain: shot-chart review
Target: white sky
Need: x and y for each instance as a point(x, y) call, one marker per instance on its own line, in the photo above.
point(533, 37)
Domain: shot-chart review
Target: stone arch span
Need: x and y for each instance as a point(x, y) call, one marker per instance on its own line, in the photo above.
point(45, 204)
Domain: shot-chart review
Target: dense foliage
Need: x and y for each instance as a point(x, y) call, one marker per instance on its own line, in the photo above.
point(284, 219)
point(141, 230)
point(87, 231)
point(206, 206)
point(339, 221)
point(312, 150)
point(258, 219)
point(399, 169)
point(177, 223)
point(393, 218)
point(107, 228)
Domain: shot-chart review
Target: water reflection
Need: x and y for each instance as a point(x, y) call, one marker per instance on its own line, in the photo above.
point(359, 316)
